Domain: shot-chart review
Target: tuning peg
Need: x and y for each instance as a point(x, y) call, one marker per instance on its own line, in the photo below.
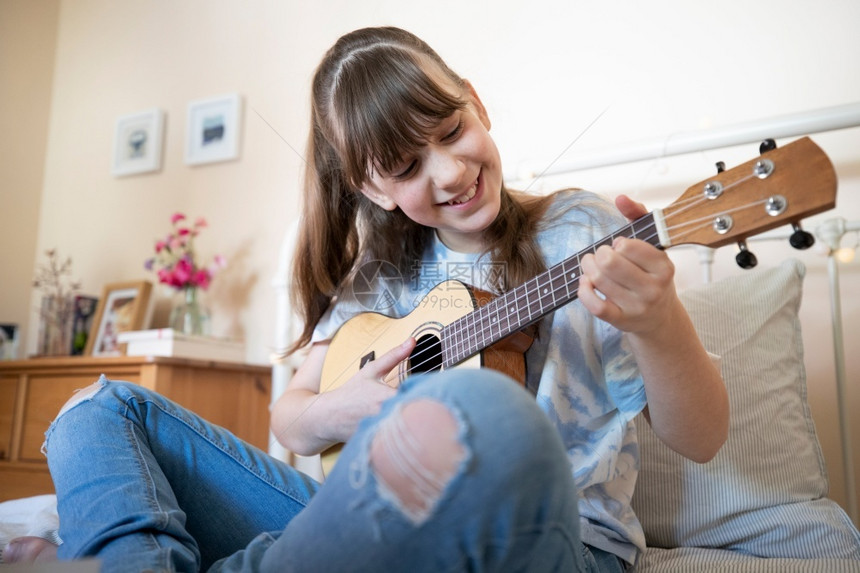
point(766, 145)
point(800, 239)
point(721, 166)
point(745, 258)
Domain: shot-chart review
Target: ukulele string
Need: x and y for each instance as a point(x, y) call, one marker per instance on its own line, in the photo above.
point(706, 221)
point(697, 200)
point(469, 328)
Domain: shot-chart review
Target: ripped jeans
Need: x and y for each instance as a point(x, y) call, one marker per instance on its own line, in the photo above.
point(143, 484)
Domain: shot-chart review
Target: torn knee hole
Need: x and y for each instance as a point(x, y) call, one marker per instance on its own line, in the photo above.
point(415, 453)
point(81, 395)
point(77, 397)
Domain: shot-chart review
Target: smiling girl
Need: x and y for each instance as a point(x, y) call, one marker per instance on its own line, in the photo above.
point(452, 471)
point(404, 170)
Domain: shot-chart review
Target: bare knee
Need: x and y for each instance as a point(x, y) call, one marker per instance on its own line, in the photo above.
point(415, 454)
point(77, 397)
point(80, 395)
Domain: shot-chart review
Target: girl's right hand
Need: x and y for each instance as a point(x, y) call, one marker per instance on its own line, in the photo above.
point(307, 420)
point(363, 394)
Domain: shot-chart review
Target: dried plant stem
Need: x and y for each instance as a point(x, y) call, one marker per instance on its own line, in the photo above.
point(53, 281)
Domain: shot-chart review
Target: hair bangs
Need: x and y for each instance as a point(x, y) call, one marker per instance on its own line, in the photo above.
point(387, 106)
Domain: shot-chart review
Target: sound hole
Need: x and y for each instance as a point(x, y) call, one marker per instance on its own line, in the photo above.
point(427, 355)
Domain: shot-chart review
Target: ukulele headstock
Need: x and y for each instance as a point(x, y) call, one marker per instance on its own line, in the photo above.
point(781, 186)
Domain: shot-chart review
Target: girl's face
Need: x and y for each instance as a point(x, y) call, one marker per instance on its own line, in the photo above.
point(452, 184)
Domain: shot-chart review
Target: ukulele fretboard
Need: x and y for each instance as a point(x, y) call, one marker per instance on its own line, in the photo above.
point(527, 303)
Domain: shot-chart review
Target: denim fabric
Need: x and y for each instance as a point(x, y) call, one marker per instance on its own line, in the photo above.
point(146, 484)
point(143, 484)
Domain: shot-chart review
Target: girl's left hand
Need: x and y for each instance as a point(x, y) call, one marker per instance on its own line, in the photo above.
point(629, 284)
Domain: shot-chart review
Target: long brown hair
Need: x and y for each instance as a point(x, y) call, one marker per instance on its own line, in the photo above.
point(373, 102)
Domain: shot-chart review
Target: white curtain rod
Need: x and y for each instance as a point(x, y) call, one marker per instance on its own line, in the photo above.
point(804, 123)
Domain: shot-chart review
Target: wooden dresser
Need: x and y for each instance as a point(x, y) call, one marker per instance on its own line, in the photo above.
point(235, 396)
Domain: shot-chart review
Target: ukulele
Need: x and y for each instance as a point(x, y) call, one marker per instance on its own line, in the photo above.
point(458, 326)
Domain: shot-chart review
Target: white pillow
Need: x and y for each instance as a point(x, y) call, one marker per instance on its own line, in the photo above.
point(764, 492)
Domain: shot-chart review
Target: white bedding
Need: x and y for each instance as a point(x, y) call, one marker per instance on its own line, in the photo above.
point(35, 516)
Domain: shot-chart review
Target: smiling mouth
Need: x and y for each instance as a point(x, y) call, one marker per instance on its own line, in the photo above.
point(465, 197)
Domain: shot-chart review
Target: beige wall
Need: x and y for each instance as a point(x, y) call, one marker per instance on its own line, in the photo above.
point(28, 39)
point(544, 69)
point(116, 58)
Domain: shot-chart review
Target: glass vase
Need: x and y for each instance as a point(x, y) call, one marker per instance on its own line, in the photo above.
point(190, 316)
point(55, 326)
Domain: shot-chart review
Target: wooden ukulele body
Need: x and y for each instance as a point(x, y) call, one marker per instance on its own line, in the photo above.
point(369, 335)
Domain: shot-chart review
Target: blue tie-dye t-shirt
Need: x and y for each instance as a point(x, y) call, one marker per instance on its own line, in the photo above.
point(580, 369)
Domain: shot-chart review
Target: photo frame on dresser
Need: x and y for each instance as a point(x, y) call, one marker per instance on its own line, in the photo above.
point(121, 308)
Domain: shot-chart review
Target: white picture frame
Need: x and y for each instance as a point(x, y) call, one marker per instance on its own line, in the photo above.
point(213, 129)
point(137, 143)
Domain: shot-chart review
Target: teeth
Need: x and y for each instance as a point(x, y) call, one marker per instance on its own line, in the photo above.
point(465, 196)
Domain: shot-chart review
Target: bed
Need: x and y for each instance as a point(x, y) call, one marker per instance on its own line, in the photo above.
point(761, 504)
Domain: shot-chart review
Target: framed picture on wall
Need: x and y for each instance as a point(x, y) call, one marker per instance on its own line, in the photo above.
point(212, 129)
point(122, 307)
point(137, 143)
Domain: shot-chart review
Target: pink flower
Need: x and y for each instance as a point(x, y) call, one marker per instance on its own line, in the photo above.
point(182, 272)
point(165, 276)
point(174, 261)
point(202, 278)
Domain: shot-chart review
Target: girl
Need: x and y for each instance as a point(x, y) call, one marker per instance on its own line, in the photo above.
point(459, 470)
point(403, 170)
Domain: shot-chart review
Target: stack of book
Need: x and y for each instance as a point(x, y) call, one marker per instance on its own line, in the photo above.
point(168, 342)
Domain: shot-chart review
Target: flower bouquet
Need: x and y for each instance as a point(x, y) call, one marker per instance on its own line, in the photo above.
point(176, 265)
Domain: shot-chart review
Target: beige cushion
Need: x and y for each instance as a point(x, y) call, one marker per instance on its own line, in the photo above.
point(764, 492)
